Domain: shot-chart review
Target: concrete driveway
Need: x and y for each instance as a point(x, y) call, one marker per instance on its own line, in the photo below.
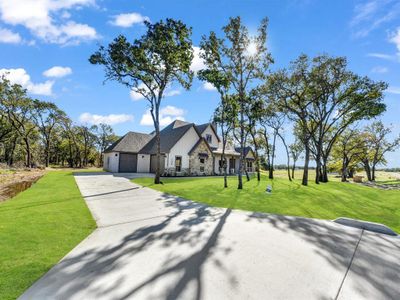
point(153, 246)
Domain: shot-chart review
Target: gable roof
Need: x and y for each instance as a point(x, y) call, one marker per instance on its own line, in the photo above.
point(169, 136)
point(246, 150)
point(131, 142)
point(198, 143)
point(202, 127)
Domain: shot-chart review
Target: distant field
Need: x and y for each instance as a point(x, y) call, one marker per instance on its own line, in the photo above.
point(324, 201)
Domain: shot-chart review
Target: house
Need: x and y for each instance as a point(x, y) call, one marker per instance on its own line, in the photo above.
point(186, 149)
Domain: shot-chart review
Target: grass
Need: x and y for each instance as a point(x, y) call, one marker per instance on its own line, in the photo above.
point(37, 228)
point(323, 201)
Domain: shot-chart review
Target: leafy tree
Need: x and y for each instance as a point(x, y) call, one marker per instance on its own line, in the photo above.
point(46, 116)
point(346, 151)
point(150, 64)
point(296, 149)
point(19, 110)
point(376, 146)
point(223, 116)
point(242, 60)
point(325, 98)
point(105, 137)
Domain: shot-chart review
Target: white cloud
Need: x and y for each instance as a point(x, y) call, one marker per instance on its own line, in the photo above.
point(379, 70)
point(170, 110)
point(393, 90)
point(395, 39)
point(21, 77)
point(9, 37)
point(170, 93)
point(57, 72)
point(209, 87)
point(136, 96)
point(128, 20)
point(44, 19)
point(371, 14)
point(197, 62)
point(383, 56)
point(167, 115)
point(111, 119)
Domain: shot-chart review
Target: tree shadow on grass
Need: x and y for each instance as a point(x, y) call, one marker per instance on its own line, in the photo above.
point(82, 272)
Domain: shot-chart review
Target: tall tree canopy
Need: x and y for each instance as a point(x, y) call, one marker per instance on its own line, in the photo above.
point(240, 60)
point(324, 98)
point(150, 64)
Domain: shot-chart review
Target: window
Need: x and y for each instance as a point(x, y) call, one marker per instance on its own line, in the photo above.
point(209, 138)
point(202, 160)
point(201, 168)
point(178, 163)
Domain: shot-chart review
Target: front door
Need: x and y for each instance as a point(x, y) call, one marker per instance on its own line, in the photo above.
point(178, 163)
point(232, 163)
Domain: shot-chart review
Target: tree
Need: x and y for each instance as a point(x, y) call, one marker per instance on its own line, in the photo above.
point(223, 116)
point(242, 60)
point(348, 147)
point(150, 64)
point(19, 110)
point(255, 112)
point(296, 149)
point(105, 137)
point(46, 116)
point(274, 120)
point(325, 98)
point(376, 146)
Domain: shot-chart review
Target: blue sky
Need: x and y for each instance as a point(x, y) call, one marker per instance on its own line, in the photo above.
point(45, 45)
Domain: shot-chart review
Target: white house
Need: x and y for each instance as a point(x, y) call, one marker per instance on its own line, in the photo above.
point(186, 148)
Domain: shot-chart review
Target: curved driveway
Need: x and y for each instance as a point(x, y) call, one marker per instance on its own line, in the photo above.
point(149, 245)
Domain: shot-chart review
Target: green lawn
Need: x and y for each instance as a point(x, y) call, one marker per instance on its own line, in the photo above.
point(37, 228)
point(324, 201)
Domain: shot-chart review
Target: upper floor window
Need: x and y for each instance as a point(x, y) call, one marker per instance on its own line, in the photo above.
point(209, 138)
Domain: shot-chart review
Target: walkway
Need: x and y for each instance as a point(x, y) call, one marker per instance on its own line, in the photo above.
point(149, 245)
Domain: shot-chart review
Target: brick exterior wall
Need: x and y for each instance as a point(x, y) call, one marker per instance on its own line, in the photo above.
point(195, 164)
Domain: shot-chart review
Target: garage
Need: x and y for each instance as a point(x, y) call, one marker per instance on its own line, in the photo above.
point(127, 163)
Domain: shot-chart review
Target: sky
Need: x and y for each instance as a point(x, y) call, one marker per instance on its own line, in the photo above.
point(45, 46)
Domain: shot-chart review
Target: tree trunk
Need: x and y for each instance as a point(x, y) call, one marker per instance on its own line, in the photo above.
point(158, 156)
point(47, 154)
point(306, 163)
point(287, 155)
point(367, 170)
point(28, 153)
point(293, 168)
point(317, 168)
point(271, 167)
point(344, 170)
point(241, 159)
point(373, 172)
point(223, 158)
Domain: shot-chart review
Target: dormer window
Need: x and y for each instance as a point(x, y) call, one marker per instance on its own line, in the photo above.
point(209, 138)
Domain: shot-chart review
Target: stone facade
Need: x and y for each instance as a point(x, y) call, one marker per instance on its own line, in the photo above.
point(196, 158)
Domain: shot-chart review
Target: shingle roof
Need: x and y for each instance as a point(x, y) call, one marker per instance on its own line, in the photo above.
point(229, 149)
point(200, 128)
point(246, 150)
point(169, 136)
point(131, 142)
